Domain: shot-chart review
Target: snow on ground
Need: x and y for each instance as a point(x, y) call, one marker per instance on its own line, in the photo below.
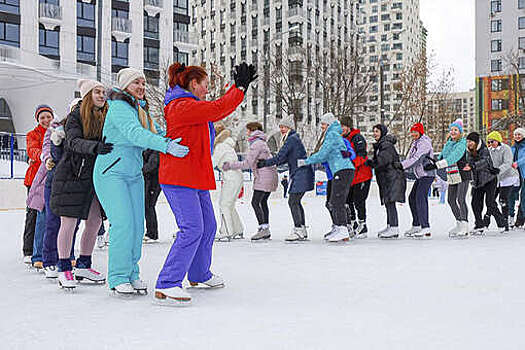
point(370, 294)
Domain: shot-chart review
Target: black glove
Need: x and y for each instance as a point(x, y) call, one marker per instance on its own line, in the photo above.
point(103, 147)
point(369, 163)
point(244, 75)
point(346, 154)
point(398, 166)
point(431, 159)
point(430, 166)
point(261, 163)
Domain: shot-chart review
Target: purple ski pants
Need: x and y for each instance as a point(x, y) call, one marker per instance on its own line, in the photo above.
point(192, 250)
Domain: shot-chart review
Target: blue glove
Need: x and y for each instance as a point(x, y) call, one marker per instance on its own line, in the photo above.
point(177, 150)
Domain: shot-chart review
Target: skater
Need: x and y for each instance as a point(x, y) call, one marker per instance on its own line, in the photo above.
point(284, 183)
point(150, 171)
point(484, 184)
point(453, 158)
point(302, 179)
point(72, 192)
point(35, 140)
point(360, 187)
point(420, 149)
point(118, 178)
point(265, 180)
point(441, 186)
point(518, 152)
point(508, 177)
point(334, 152)
point(390, 178)
point(186, 182)
point(224, 151)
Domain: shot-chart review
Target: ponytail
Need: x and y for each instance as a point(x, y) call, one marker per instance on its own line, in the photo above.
point(181, 75)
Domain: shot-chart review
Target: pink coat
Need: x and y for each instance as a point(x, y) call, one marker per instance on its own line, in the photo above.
point(35, 198)
point(265, 179)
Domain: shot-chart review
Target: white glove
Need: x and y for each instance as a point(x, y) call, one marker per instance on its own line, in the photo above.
point(301, 162)
point(58, 135)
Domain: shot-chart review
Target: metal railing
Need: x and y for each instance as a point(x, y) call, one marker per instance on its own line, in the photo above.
point(13, 158)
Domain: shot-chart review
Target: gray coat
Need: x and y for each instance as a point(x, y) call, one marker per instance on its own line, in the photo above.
point(502, 159)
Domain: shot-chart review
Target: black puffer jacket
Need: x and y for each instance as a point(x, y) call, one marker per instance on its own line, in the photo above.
point(483, 170)
point(72, 189)
point(150, 170)
point(391, 181)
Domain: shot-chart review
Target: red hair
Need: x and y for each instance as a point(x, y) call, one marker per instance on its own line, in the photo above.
point(182, 75)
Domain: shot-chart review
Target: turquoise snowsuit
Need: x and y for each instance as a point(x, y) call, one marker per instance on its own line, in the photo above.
point(119, 185)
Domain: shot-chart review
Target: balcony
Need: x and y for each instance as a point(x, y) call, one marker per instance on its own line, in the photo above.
point(121, 28)
point(295, 14)
point(266, 21)
point(50, 15)
point(153, 7)
point(255, 43)
point(185, 40)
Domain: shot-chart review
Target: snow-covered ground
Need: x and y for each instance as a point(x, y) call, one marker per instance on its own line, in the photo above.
point(369, 294)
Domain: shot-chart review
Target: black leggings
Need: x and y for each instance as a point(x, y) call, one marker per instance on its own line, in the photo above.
point(260, 206)
point(338, 194)
point(294, 202)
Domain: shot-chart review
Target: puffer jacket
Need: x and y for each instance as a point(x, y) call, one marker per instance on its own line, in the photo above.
point(502, 160)
point(483, 170)
point(391, 181)
point(518, 155)
point(35, 140)
point(223, 152)
point(302, 179)
point(455, 153)
point(419, 150)
point(265, 179)
point(363, 172)
point(331, 150)
point(35, 198)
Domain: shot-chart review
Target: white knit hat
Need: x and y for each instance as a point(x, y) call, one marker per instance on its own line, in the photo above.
point(520, 131)
point(86, 85)
point(328, 118)
point(287, 121)
point(127, 75)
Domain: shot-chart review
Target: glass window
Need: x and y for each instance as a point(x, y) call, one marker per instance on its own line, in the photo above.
point(521, 23)
point(180, 7)
point(521, 4)
point(495, 65)
point(10, 6)
point(120, 13)
point(521, 62)
point(521, 43)
point(151, 57)
point(151, 26)
point(119, 53)
point(85, 14)
point(85, 48)
point(495, 45)
point(498, 105)
point(495, 6)
point(10, 34)
point(49, 42)
point(495, 26)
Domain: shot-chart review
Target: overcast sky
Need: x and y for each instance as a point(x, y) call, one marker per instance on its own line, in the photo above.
point(451, 36)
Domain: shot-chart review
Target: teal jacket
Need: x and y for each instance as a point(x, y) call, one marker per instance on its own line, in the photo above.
point(454, 151)
point(123, 129)
point(330, 151)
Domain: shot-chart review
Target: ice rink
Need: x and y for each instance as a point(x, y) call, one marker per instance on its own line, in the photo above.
point(368, 294)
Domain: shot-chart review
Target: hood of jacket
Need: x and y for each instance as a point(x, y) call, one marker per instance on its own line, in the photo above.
point(177, 92)
point(257, 135)
point(117, 94)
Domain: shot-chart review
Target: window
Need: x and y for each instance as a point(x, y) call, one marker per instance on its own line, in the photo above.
point(151, 58)
point(499, 84)
point(85, 15)
point(373, 29)
point(521, 62)
point(495, 45)
point(373, 19)
point(10, 34)
point(397, 26)
point(49, 42)
point(521, 4)
point(151, 26)
point(119, 13)
point(10, 6)
point(495, 6)
point(119, 53)
point(521, 43)
point(385, 17)
point(85, 48)
point(521, 23)
point(495, 65)
point(499, 105)
point(399, 56)
point(180, 7)
point(495, 26)
point(399, 16)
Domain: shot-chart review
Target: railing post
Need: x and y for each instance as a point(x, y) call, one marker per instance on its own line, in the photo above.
point(12, 154)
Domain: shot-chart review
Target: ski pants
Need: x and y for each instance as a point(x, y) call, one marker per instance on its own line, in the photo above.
point(457, 195)
point(418, 201)
point(29, 230)
point(356, 200)
point(260, 206)
point(327, 203)
point(152, 193)
point(338, 195)
point(487, 194)
point(231, 223)
point(296, 208)
point(122, 197)
point(191, 252)
point(40, 228)
point(514, 197)
point(391, 214)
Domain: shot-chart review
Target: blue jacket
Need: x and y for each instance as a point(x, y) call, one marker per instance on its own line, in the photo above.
point(330, 151)
point(123, 129)
point(518, 154)
point(302, 179)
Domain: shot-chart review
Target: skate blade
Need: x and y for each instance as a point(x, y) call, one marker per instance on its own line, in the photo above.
point(85, 280)
point(390, 238)
point(141, 292)
point(422, 238)
point(66, 288)
point(342, 241)
point(459, 237)
point(127, 296)
point(223, 240)
point(205, 286)
point(262, 240)
point(296, 241)
point(163, 300)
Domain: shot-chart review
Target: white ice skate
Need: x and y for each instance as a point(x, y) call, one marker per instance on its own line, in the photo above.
point(361, 230)
point(66, 280)
point(340, 235)
point(328, 234)
point(214, 282)
point(90, 275)
point(512, 221)
point(124, 289)
point(463, 230)
point(383, 231)
point(27, 260)
point(50, 272)
point(453, 232)
point(423, 233)
point(297, 234)
point(238, 236)
point(412, 231)
point(101, 242)
point(351, 228)
point(175, 296)
point(391, 233)
point(140, 287)
point(223, 237)
point(263, 234)
point(147, 240)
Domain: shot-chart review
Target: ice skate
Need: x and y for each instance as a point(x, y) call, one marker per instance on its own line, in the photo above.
point(351, 228)
point(297, 234)
point(262, 234)
point(140, 287)
point(90, 275)
point(519, 222)
point(27, 260)
point(511, 221)
point(478, 230)
point(66, 280)
point(361, 230)
point(423, 233)
point(175, 296)
point(50, 272)
point(412, 232)
point(383, 231)
point(391, 233)
point(148, 240)
point(453, 232)
point(223, 237)
point(463, 230)
point(328, 234)
point(101, 242)
point(124, 289)
point(214, 282)
point(340, 235)
point(238, 236)
point(39, 266)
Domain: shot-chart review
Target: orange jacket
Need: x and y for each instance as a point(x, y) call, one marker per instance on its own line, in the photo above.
point(188, 118)
point(34, 140)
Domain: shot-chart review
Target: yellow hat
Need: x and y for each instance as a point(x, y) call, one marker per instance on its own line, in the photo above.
point(495, 135)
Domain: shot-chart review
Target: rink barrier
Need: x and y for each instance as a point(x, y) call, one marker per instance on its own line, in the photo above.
point(13, 156)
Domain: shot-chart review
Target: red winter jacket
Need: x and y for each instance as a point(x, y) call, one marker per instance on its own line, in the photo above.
point(34, 140)
point(188, 118)
point(362, 172)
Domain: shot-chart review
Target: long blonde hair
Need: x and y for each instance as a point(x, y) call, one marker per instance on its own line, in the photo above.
point(145, 119)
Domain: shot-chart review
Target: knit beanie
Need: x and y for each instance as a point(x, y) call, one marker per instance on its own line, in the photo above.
point(42, 108)
point(458, 124)
point(474, 137)
point(328, 118)
point(418, 127)
point(495, 135)
point(347, 121)
point(382, 128)
point(127, 75)
point(86, 85)
point(520, 131)
point(287, 121)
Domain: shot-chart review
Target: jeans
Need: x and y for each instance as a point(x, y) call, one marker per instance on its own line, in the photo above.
point(418, 201)
point(457, 195)
point(38, 242)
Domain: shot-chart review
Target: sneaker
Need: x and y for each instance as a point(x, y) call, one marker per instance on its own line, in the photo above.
point(392, 232)
point(175, 296)
point(297, 234)
point(124, 289)
point(51, 271)
point(90, 275)
point(340, 234)
point(412, 232)
point(214, 282)
point(101, 242)
point(328, 234)
point(262, 234)
point(139, 286)
point(66, 280)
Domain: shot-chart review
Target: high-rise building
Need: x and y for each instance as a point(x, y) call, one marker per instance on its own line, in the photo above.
point(44, 49)
point(500, 64)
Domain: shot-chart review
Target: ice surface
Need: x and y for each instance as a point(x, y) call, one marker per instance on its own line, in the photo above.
point(370, 294)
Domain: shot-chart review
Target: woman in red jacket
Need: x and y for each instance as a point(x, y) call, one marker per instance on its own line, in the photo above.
point(35, 140)
point(186, 181)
